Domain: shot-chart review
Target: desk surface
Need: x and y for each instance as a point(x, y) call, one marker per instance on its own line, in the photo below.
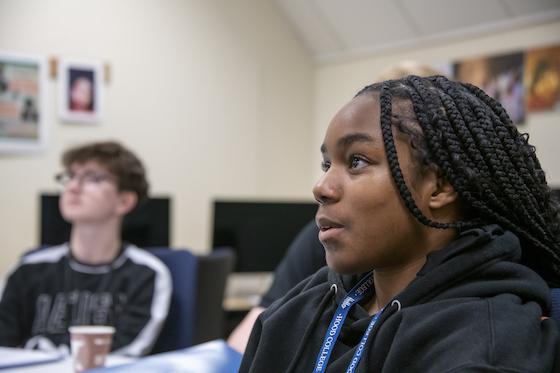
point(210, 357)
point(244, 290)
point(63, 366)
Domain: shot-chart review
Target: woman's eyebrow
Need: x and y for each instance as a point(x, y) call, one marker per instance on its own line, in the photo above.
point(352, 138)
point(349, 139)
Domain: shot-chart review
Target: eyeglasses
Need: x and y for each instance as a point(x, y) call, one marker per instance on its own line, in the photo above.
point(90, 178)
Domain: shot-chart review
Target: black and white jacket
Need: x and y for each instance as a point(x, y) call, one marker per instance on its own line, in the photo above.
point(49, 291)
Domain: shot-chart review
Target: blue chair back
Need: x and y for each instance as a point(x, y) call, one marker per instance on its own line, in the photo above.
point(178, 329)
point(195, 314)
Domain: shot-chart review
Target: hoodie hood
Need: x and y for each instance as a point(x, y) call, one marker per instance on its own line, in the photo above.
point(472, 306)
point(480, 262)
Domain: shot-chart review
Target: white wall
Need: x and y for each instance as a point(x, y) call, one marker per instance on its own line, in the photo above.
point(336, 84)
point(218, 97)
point(210, 94)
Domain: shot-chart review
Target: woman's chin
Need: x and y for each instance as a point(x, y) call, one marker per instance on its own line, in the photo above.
point(341, 266)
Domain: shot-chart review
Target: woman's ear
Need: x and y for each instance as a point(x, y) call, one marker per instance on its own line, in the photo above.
point(127, 202)
point(443, 194)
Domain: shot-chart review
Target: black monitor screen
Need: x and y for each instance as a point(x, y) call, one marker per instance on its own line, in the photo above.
point(147, 225)
point(259, 232)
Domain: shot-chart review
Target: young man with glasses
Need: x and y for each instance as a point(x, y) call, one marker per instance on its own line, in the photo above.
point(95, 278)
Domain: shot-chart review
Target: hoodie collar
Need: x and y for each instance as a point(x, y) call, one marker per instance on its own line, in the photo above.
point(472, 250)
point(502, 242)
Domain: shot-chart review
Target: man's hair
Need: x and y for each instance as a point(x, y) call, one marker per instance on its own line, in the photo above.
point(468, 138)
point(119, 161)
point(406, 68)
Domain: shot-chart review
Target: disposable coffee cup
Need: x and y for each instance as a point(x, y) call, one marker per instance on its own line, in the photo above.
point(90, 345)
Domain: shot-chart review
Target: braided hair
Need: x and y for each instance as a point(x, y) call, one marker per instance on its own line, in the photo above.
point(468, 138)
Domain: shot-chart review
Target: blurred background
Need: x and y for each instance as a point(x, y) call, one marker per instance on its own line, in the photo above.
point(229, 100)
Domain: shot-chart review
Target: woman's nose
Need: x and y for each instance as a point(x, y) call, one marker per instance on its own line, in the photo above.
point(327, 189)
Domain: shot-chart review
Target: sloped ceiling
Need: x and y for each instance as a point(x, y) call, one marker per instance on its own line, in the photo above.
point(340, 29)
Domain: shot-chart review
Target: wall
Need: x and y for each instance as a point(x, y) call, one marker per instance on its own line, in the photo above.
point(218, 97)
point(336, 83)
point(209, 93)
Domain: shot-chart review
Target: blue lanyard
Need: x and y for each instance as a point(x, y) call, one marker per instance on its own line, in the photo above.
point(355, 295)
point(358, 354)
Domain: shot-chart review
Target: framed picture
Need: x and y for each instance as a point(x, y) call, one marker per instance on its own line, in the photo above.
point(23, 83)
point(542, 79)
point(80, 91)
point(500, 77)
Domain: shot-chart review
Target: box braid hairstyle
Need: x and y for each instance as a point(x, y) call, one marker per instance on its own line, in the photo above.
point(468, 138)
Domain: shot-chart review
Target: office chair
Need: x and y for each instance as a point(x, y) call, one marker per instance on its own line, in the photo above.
point(195, 314)
point(177, 332)
point(213, 271)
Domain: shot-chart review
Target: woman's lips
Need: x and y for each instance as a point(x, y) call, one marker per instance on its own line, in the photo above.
point(328, 229)
point(329, 234)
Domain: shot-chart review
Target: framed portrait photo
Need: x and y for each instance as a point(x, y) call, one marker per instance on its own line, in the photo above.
point(80, 91)
point(23, 102)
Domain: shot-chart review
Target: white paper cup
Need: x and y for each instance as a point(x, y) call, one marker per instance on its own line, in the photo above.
point(90, 345)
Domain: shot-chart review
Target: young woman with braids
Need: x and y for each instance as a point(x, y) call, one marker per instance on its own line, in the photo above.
point(440, 238)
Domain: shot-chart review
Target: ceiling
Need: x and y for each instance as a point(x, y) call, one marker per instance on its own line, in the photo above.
point(340, 29)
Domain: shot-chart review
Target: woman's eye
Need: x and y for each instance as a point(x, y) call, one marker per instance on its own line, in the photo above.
point(357, 162)
point(325, 165)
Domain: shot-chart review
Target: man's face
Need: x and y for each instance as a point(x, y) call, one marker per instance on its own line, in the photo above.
point(90, 195)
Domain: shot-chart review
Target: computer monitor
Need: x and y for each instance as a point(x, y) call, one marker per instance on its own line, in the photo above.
point(147, 225)
point(259, 232)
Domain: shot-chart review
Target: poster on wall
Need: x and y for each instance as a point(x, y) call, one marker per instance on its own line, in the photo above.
point(500, 77)
point(80, 91)
point(23, 81)
point(542, 79)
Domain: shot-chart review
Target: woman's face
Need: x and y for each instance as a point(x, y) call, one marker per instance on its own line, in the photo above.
point(81, 94)
point(363, 222)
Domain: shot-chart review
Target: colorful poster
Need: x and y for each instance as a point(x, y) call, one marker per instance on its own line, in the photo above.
point(22, 102)
point(500, 77)
point(542, 79)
